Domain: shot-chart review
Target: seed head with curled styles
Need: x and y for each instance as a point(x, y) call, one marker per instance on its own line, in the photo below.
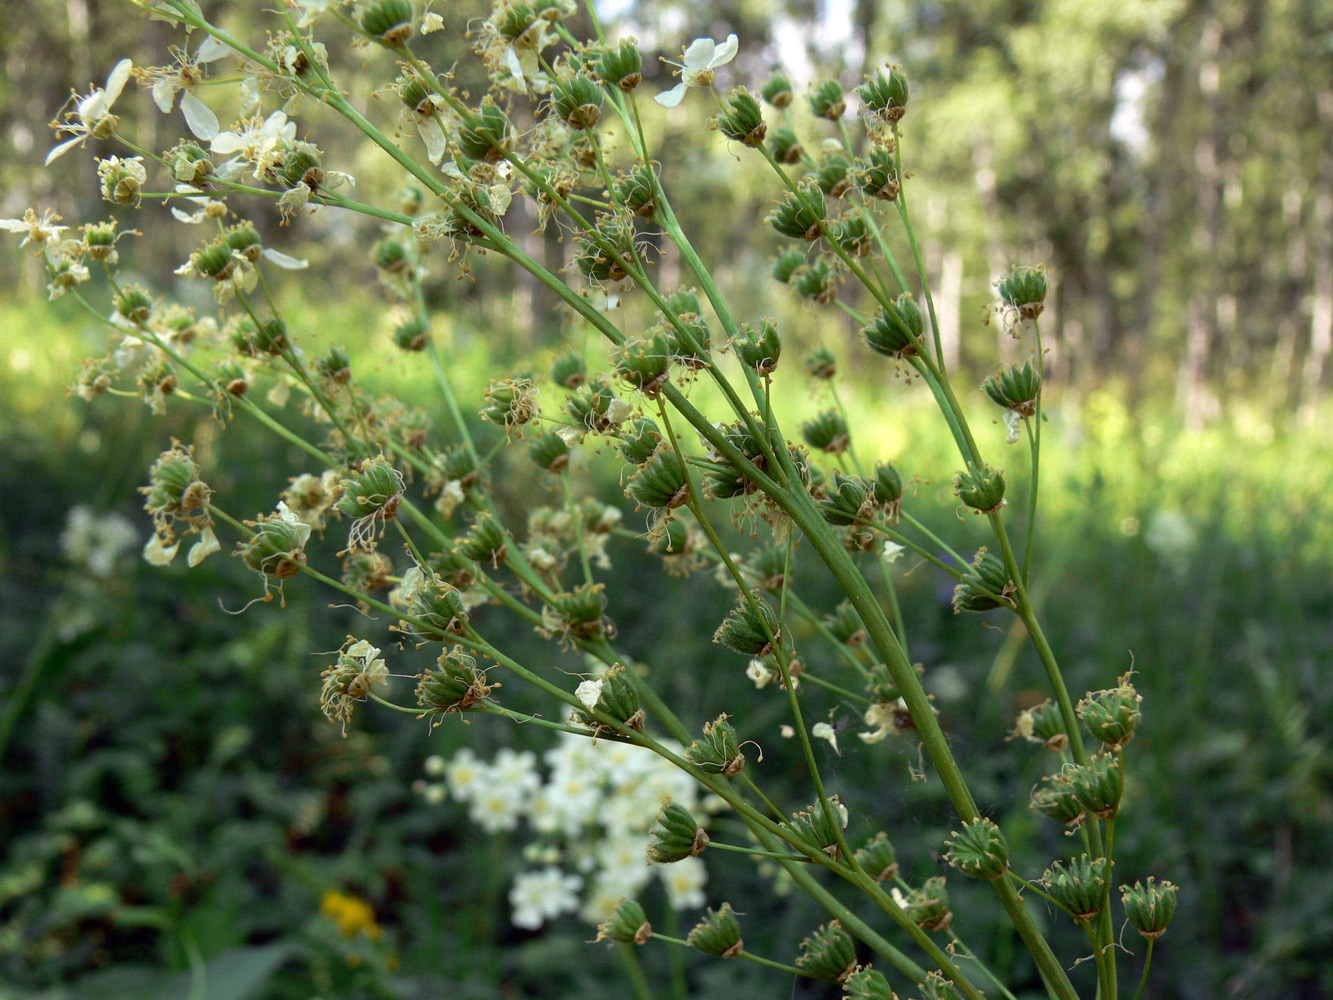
point(867, 983)
point(718, 749)
point(358, 669)
point(748, 632)
point(369, 494)
point(897, 328)
point(986, 585)
point(1149, 907)
point(742, 119)
point(878, 858)
point(800, 215)
point(675, 836)
point(454, 685)
point(1016, 388)
point(1079, 886)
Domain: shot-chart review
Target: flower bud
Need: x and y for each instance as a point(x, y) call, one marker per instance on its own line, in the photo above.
point(388, 21)
point(985, 586)
point(980, 489)
point(936, 987)
point(660, 481)
point(613, 694)
point(390, 256)
point(980, 850)
point(845, 625)
point(550, 453)
point(577, 100)
point(412, 334)
point(190, 164)
point(627, 923)
point(1015, 388)
point(122, 180)
point(877, 858)
point(800, 215)
point(817, 826)
point(373, 489)
point(748, 633)
point(829, 953)
point(877, 175)
point(718, 748)
point(1078, 886)
point(741, 119)
point(1112, 715)
point(897, 328)
point(684, 300)
point(784, 147)
point(622, 66)
point(717, 934)
point(758, 346)
point(827, 433)
point(243, 239)
point(886, 96)
point(928, 907)
point(827, 100)
point(134, 304)
point(1055, 798)
point(1149, 907)
point(602, 263)
point(853, 236)
point(568, 372)
point(455, 685)
point(1044, 724)
point(777, 91)
point(1024, 291)
point(593, 407)
point(675, 836)
point(867, 983)
point(690, 341)
point(485, 542)
point(1098, 785)
point(888, 487)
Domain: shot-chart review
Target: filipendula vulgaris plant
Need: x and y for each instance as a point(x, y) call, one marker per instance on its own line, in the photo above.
point(554, 129)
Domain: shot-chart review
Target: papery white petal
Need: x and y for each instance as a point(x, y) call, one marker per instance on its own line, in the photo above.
point(115, 83)
point(199, 116)
point(725, 52)
point(14, 225)
point(202, 549)
point(516, 69)
point(211, 48)
point(700, 54)
point(155, 553)
point(227, 142)
point(283, 261)
point(164, 95)
point(671, 98)
point(431, 22)
point(185, 217)
point(62, 149)
point(433, 136)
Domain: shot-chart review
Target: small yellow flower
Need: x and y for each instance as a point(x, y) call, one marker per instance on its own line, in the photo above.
point(352, 914)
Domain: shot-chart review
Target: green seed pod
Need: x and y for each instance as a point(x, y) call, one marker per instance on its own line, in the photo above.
point(489, 137)
point(659, 482)
point(457, 463)
point(718, 748)
point(800, 216)
point(784, 146)
point(644, 364)
point(985, 586)
point(980, 850)
point(675, 540)
point(980, 489)
point(883, 691)
point(821, 364)
point(834, 176)
point(578, 101)
point(622, 66)
point(936, 987)
point(726, 484)
point(717, 934)
point(637, 191)
point(590, 405)
point(1149, 908)
point(301, 166)
point(886, 96)
point(786, 264)
point(550, 453)
point(896, 329)
point(817, 283)
point(134, 304)
point(627, 923)
point(1078, 886)
point(484, 542)
point(214, 260)
point(639, 440)
point(174, 485)
point(581, 612)
point(270, 337)
point(758, 346)
point(412, 334)
point(277, 548)
point(599, 262)
point(684, 300)
point(373, 489)
point(243, 239)
point(878, 858)
point(190, 164)
point(749, 633)
point(367, 571)
point(389, 22)
point(1112, 715)
point(1024, 290)
point(335, 365)
point(829, 953)
point(777, 91)
point(414, 93)
point(437, 611)
point(1015, 388)
point(877, 175)
point(391, 257)
point(853, 236)
point(867, 983)
point(742, 119)
point(613, 694)
point(455, 685)
point(827, 432)
point(817, 826)
point(1055, 798)
point(845, 625)
point(510, 402)
point(1043, 724)
point(691, 341)
point(888, 485)
point(567, 371)
point(1099, 785)
point(928, 907)
point(769, 565)
point(100, 239)
point(827, 100)
point(515, 19)
point(675, 836)
point(848, 501)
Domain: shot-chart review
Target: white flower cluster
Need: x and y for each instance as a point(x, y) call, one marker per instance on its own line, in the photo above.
point(592, 813)
point(96, 541)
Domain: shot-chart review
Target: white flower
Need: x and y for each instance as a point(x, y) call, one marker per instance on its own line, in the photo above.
point(702, 57)
point(372, 664)
point(303, 530)
point(205, 547)
point(256, 142)
point(96, 541)
point(824, 731)
point(158, 553)
point(34, 230)
point(684, 882)
point(92, 114)
point(588, 693)
point(465, 774)
point(182, 78)
point(759, 673)
point(1012, 420)
point(787, 731)
point(538, 896)
point(431, 22)
point(892, 551)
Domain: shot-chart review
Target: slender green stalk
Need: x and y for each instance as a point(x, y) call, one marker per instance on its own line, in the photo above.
point(1147, 964)
point(629, 958)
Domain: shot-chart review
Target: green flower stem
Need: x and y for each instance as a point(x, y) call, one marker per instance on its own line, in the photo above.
point(1147, 964)
point(576, 518)
point(1105, 932)
point(1103, 984)
point(748, 956)
point(750, 782)
point(634, 970)
point(944, 547)
point(1034, 445)
point(901, 202)
point(807, 613)
point(675, 959)
point(758, 853)
point(490, 708)
point(1019, 880)
point(906, 542)
point(816, 679)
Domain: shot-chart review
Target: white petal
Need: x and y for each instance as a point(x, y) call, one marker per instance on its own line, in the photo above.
point(433, 136)
point(516, 68)
point(700, 54)
point(185, 217)
point(115, 83)
point(725, 52)
point(226, 142)
point(199, 116)
point(670, 98)
point(202, 549)
point(63, 148)
point(211, 48)
point(155, 553)
point(14, 225)
point(283, 261)
point(164, 94)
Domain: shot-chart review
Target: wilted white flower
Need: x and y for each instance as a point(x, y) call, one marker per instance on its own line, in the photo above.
point(824, 731)
point(35, 230)
point(92, 114)
point(759, 673)
point(181, 78)
point(701, 59)
point(892, 551)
